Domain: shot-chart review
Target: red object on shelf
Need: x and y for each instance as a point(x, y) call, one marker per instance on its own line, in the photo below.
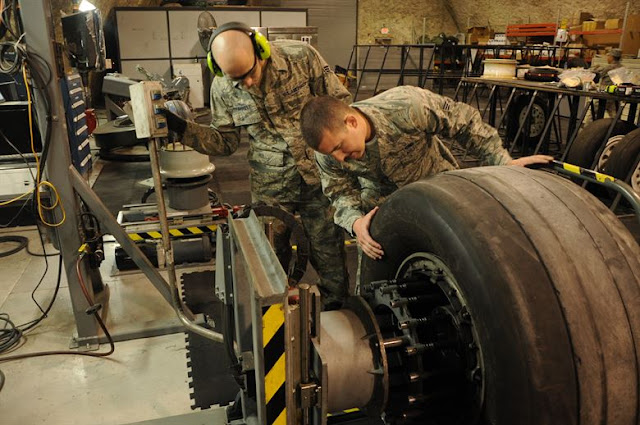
point(532, 30)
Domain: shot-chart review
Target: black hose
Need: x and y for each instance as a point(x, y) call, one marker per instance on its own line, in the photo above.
point(22, 244)
point(146, 195)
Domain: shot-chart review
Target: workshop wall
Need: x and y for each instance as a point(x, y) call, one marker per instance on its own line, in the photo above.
point(105, 6)
point(503, 12)
point(405, 19)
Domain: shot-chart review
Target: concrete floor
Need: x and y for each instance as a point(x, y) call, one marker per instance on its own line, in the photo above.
point(144, 379)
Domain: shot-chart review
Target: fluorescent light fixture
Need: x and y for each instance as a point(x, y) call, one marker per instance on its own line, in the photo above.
point(85, 5)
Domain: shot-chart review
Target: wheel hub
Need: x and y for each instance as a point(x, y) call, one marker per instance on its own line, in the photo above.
point(435, 365)
point(536, 120)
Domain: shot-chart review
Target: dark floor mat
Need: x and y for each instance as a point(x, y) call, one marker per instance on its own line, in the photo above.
point(209, 367)
point(119, 184)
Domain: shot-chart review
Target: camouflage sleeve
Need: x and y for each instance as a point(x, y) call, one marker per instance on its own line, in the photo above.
point(221, 137)
point(441, 115)
point(211, 140)
point(324, 81)
point(341, 189)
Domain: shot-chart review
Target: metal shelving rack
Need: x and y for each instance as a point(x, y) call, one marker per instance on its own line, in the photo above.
point(379, 67)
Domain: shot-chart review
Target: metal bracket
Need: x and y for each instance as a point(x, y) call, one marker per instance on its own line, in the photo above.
point(309, 395)
point(248, 363)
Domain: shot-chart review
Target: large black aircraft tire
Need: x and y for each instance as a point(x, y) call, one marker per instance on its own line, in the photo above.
point(624, 160)
point(587, 143)
point(551, 279)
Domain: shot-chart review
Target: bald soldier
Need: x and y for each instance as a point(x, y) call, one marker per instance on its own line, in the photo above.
point(368, 150)
point(262, 87)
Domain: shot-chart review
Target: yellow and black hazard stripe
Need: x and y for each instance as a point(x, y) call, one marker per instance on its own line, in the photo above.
point(574, 169)
point(185, 231)
point(274, 364)
point(344, 412)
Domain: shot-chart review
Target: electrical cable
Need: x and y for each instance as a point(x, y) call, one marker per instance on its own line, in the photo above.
point(93, 309)
point(29, 325)
point(26, 61)
point(39, 182)
point(24, 159)
point(20, 240)
point(10, 223)
point(9, 334)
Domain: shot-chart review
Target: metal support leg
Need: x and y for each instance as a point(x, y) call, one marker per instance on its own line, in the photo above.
point(577, 129)
point(38, 26)
point(506, 108)
point(455, 95)
point(524, 123)
point(494, 106)
point(169, 293)
point(489, 100)
point(384, 60)
point(362, 71)
point(547, 126)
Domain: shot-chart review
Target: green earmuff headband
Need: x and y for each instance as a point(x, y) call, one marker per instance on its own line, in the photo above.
point(260, 44)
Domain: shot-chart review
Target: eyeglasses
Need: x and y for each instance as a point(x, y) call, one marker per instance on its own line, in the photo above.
point(246, 74)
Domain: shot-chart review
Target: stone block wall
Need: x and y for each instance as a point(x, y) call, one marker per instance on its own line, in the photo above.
point(405, 18)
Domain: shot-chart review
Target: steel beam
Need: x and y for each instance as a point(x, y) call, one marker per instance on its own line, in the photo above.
point(38, 26)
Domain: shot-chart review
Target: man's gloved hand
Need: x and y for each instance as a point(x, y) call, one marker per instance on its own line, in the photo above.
point(175, 123)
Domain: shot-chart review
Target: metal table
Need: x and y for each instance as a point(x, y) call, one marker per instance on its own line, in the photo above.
point(468, 90)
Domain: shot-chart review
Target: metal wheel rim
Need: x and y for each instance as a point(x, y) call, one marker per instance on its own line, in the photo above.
point(635, 179)
point(536, 120)
point(608, 149)
point(439, 370)
point(455, 294)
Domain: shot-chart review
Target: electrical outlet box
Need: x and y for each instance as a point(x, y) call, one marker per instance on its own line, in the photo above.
point(148, 104)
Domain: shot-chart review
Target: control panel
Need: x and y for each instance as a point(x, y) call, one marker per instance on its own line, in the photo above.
point(148, 104)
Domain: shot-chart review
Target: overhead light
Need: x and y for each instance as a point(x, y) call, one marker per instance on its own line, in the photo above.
point(85, 5)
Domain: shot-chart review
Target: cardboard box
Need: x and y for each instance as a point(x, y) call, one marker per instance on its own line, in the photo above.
point(479, 35)
point(631, 36)
point(601, 39)
point(585, 16)
point(612, 24)
point(589, 25)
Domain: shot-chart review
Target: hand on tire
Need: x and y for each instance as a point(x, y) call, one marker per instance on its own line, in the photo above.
point(531, 160)
point(371, 248)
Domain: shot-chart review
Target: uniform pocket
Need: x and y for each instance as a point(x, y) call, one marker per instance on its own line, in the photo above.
point(294, 96)
point(264, 159)
point(245, 112)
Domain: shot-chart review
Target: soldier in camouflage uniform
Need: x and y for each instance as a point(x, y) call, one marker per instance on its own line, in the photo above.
point(602, 71)
point(267, 100)
point(368, 150)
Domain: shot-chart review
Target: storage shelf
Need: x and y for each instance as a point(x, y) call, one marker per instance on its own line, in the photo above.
point(532, 30)
point(596, 32)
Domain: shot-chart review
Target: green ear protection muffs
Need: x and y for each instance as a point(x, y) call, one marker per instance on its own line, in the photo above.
point(259, 41)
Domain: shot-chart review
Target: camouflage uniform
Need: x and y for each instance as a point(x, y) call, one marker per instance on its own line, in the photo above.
point(605, 80)
point(283, 170)
point(405, 148)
